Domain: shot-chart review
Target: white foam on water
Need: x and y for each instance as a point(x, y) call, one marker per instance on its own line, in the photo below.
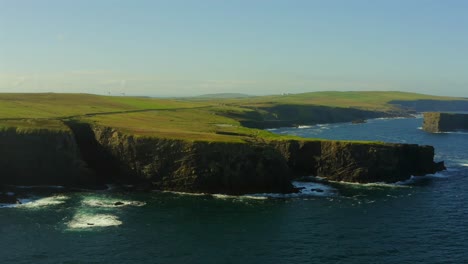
point(409, 181)
point(308, 189)
point(253, 197)
point(238, 197)
point(43, 202)
point(314, 188)
point(185, 193)
point(324, 126)
point(440, 174)
point(464, 132)
point(220, 196)
point(109, 203)
point(223, 196)
point(304, 126)
point(8, 205)
point(391, 118)
point(463, 162)
point(83, 221)
point(372, 184)
point(415, 179)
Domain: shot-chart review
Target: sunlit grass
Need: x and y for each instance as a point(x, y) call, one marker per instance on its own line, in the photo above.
point(33, 125)
point(189, 124)
point(62, 105)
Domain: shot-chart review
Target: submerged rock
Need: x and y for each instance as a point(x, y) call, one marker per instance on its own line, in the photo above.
point(359, 121)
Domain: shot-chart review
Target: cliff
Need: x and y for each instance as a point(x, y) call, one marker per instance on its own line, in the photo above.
point(211, 167)
point(361, 162)
point(88, 154)
point(260, 166)
point(374, 162)
point(41, 157)
point(443, 122)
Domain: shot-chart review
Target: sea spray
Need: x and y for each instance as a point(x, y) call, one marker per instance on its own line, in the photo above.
point(82, 221)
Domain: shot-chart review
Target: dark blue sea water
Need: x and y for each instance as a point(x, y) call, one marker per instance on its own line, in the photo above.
point(424, 220)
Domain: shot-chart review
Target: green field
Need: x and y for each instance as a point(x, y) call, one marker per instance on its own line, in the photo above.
point(371, 100)
point(205, 119)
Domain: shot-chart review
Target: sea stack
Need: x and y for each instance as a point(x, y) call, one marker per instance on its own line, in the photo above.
point(435, 122)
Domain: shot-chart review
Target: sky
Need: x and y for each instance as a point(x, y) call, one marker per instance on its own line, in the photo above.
point(183, 48)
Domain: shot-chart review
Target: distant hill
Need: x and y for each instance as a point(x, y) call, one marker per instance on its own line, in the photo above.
point(222, 96)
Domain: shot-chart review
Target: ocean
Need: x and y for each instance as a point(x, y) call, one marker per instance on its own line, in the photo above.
point(422, 220)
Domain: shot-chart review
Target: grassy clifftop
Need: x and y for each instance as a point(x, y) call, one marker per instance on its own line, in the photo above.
point(196, 119)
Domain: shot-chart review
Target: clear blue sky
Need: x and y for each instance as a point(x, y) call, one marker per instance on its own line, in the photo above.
point(166, 48)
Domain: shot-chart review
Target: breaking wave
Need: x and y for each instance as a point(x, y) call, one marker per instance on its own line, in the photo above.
point(110, 203)
point(43, 202)
point(82, 221)
point(306, 189)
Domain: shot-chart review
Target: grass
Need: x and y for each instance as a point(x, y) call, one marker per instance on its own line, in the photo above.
point(371, 100)
point(33, 125)
point(189, 124)
point(51, 105)
point(206, 120)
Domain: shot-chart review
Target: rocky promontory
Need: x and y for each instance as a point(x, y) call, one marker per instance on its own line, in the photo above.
point(92, 154)
point(435, 122)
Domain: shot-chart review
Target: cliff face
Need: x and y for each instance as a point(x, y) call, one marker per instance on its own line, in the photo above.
point(443, 122)
point(40, 158)
point(262, 167)
point(178, 165)
point(357, 161)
